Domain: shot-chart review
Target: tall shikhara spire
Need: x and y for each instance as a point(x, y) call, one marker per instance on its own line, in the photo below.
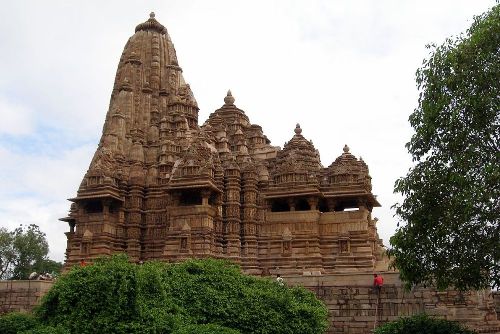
point(162, 187)
point(150, 100)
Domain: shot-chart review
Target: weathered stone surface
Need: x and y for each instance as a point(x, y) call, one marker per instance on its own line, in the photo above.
point(355, 304)
point(22, 296)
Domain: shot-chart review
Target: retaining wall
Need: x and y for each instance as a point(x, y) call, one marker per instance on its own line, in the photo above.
point(355, 307)
point(21, 296)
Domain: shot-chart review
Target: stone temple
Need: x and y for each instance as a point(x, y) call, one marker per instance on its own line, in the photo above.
point(162, 187)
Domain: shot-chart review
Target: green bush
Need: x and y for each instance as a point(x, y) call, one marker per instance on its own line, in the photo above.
point(205, 329)
point(422, 323)
point(216, 292)
point(14, 322)
point(46, 330)
point(111, 296)
point(114, 296)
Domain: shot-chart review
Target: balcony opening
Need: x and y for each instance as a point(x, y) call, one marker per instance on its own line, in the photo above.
point(190, 197)
point(302, 205)
point(280, 205)
point(347, 206)
point(322, 205)
point(93, 207)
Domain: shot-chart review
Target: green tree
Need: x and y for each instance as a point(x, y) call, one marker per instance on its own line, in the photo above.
point(23, 251)
point(196, 296)
point(451, 209)
point(7, 253)
point(422, 323)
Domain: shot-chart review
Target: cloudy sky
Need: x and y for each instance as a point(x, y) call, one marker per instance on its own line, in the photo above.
point(344, 70)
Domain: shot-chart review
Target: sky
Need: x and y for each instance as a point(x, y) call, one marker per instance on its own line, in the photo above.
point(344, 70)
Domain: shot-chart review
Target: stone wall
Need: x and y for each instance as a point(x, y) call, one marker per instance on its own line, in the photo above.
point(496, 300)
point(356, 308)
point(21, 296)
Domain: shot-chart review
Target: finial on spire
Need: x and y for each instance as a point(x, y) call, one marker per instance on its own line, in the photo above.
point(298, 130)
point(229, 99)
point(346, 148)
point(151, 25)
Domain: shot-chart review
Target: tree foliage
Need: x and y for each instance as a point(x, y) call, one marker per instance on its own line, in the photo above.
point(23, 251)
point(451, 208)
point(7, 253)
point(422, 323)
point(196, 296)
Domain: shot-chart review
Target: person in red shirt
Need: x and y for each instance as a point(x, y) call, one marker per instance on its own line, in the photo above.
point(378, 281)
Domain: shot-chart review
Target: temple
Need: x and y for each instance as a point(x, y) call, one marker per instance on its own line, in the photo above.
point(160, 186)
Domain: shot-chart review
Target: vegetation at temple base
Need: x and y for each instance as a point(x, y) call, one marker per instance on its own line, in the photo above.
point(196, 296)
point(422, 323)
point(451, 207)
point(206, 329)
point(13, 323)
point(24, 251)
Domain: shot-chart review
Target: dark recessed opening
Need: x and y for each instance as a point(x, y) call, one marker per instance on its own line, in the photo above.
point(302, 205)
point(93, 207)
point(280, 205)
point(190, 197)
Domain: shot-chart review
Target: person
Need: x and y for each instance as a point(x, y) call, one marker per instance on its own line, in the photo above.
point(82, 263)
point(279, 280)
point(378, 281)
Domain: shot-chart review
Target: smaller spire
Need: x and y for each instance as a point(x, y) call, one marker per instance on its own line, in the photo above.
point(152, 15)
point(298, 130)
point(346, 148)
point(229, 99)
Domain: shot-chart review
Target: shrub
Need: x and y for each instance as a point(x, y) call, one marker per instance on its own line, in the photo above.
point(422, 323)
point(216, 292)
point(15, 322)
point(110, 296)
point(115, 296)
point(205, 329)
point(46, 330)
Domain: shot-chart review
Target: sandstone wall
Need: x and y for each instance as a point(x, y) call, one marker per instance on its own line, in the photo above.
point(496, 300)
point(355, 307)
point(21, 296)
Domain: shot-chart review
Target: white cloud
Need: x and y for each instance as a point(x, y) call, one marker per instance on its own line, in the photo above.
point(34, 189)
point(16, 119)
